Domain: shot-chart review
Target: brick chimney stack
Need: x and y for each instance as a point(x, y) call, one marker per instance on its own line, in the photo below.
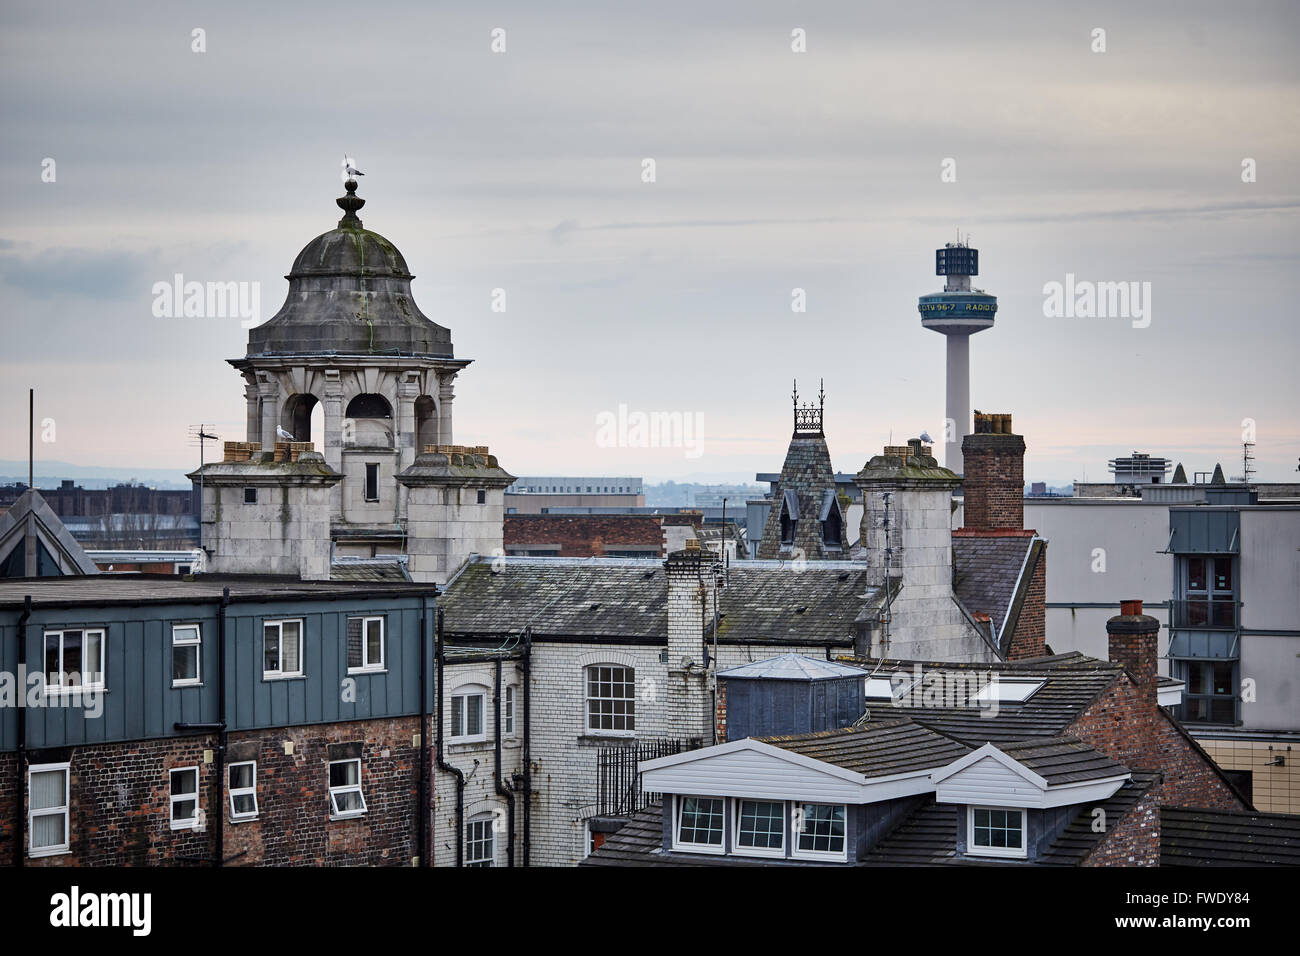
point(994, 481)
point(1131, 637)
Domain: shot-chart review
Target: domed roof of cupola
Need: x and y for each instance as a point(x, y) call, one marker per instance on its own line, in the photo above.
point(350, 293)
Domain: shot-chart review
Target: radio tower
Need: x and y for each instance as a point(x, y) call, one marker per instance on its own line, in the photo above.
point(958, 312)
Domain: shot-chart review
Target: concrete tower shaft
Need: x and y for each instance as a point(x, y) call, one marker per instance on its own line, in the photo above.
point(958, 312)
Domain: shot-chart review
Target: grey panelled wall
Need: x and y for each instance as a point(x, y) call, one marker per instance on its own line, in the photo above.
point(767, 707)
point(1205, 530)
point(139, 701)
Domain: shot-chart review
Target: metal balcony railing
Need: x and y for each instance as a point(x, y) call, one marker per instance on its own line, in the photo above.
point(619, 790)
point(1217, 614)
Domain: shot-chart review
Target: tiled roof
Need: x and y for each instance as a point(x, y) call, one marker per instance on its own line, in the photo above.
point(1061, 760)
point(878, 749)
point(986, 570)
point(1192, 837)
point(372, 570)
point(763, 602)
point(1071, 683)
point(929, 836)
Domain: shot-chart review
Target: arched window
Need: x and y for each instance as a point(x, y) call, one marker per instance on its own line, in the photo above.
point(789, 517)
point(296, 416)
point(426, 423)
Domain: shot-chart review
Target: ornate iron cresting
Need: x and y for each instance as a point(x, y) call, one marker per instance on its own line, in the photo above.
point(808, 418)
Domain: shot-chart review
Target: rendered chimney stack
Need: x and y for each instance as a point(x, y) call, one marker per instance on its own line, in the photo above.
point(994, 480)
point(1132, 641)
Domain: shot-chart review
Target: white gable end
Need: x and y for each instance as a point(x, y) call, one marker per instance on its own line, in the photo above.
point(989, 781)
point(757, 773)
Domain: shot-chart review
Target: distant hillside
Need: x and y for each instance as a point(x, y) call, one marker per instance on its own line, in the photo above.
point(49, 474)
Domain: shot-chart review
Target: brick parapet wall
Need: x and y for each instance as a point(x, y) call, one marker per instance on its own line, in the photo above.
point(1135, 839)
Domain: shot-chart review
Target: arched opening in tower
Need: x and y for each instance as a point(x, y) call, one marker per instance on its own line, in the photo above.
point(426, 423)
point(299, 414)
point(368, 422)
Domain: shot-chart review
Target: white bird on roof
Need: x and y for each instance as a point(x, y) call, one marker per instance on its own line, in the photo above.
point(281, 433)
point(925, 436)
point(349, 168)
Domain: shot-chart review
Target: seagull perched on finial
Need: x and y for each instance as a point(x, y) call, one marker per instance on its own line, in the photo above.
point(281, 433)
point(348, 168)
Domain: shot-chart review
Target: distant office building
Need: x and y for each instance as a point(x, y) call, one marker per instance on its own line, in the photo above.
point(1139, 468)
point(585, 536)
point(539, 495)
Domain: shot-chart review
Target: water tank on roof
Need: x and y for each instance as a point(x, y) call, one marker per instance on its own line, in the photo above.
point(791, 694)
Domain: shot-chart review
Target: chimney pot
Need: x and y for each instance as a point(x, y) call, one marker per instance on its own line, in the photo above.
point(1130, 608)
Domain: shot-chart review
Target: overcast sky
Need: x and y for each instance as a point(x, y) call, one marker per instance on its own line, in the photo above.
point(775, 170)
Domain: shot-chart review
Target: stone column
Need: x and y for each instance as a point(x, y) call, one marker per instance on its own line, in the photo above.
point(253, 419)
point(333, 443)
point(408, 390)
point(445, 394)
point(269, 389)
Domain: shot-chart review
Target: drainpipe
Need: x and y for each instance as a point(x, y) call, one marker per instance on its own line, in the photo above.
point(528, 762)
point(221, 734)
point(20, 805)
point(422, 796)
point(440, 658)
point(496, 778)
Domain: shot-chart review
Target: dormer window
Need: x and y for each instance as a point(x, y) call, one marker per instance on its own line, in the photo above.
point(819, 831)
point(789, 518)
point(995, 831)
point(832, 520)
point(699, 823)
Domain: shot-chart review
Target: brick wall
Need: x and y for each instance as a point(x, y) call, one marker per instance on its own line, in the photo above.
point(993, 485)
point(1123, 724)
point(1030, 636)
point(1135, 839)
point(120, 810)
point(581, 536)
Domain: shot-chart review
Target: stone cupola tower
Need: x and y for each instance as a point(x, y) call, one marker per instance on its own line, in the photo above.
point(351, 340)
point(806, 520)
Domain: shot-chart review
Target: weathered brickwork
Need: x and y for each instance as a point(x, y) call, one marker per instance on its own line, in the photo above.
point(994, 481)
point(1124, 724)
point(1135, 838)
point(1030, 636)
point(582, 536)
point(120, 807)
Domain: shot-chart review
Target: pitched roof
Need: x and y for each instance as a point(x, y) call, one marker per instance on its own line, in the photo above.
point(31, 514)
point(878, 749)
point(1060, 760)
point(104, 590)
point(1070, 683)
point(1194, 837)
point(370, 569)
point(986, 572)
point(626, 599)
point(928, 837)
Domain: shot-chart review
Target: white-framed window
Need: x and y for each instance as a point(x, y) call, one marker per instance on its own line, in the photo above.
point(995, 831)
point(480, 844)
point(346, 799)
point(187, 642)
point(467, 714)
point(185, 797)
point(759, 827)
point(74, 658)
point(243, 790)
point(699, 824)
point(365, 644)
point(611, 699)
point(508, 711)
point(48, 798)
point(819, 831)
point(282, 649)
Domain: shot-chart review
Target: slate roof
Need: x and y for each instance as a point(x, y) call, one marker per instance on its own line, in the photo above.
point(625, 599)
point(806, 478)
point(929, 836)
point(375, 569)
point(1193, 837)
point(1071, 682)
point(878, 749)
point(1060, 760)
point(986, 573)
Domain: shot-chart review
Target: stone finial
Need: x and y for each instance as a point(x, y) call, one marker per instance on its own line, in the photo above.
point(350, 204)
